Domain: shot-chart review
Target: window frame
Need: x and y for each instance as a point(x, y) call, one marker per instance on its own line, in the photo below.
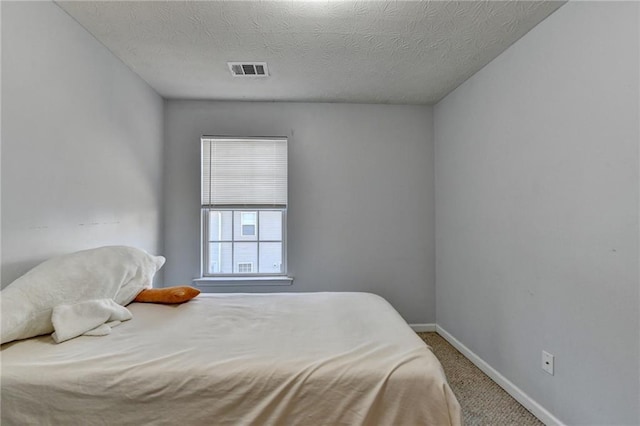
point(233, 278)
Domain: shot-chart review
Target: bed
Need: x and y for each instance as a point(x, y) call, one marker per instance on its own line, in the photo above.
point(234, 359)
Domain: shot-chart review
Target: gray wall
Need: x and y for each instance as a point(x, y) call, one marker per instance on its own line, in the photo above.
point(537, 212)
point(81, 142)
point(360, 214)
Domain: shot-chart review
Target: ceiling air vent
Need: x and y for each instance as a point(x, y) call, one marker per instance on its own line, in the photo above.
point(248, 69)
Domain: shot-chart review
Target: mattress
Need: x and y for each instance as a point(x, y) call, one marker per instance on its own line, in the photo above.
point(234, 359)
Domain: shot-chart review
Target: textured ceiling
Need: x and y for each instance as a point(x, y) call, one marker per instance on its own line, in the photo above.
point(331, 51)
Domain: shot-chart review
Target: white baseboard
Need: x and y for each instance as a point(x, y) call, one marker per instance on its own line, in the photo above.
point(423, 327)
point(529, 403)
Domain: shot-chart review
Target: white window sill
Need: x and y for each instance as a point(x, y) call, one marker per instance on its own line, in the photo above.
point(205, 282)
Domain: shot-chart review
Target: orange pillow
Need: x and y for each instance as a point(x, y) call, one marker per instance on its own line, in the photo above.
point(177, 294)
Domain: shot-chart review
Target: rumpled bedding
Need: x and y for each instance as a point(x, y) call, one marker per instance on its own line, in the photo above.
point(89, 318)
point(235, 359)
point(73, 284)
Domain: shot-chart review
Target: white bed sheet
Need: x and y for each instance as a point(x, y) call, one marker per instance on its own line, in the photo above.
point(234, 359)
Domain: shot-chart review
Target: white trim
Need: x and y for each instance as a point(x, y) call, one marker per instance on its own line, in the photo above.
point(251, 280)
point(423, 327)
point(529, 403)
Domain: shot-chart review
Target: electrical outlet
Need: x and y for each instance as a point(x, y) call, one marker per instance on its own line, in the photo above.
point(547, 362)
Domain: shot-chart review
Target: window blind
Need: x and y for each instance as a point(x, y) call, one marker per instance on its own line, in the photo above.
point(244, 172)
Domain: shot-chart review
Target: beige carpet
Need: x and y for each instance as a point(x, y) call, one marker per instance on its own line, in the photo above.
point(483, 402)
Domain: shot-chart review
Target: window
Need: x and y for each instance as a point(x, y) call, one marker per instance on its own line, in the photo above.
point(230, 250)
point(245, 267)
point(248, 223)
point(244, 204)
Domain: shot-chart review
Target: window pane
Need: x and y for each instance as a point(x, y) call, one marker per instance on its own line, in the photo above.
point(270, 258)
point(244, 228)
point(271, 225)
point(248, 230)
point(244, 242)
point(245, 253)
point(219, 258)
point(220, 225)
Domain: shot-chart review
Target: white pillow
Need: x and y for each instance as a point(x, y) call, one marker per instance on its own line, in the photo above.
point(114, 272)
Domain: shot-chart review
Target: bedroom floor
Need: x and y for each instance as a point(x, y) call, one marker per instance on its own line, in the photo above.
point(483, 402)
